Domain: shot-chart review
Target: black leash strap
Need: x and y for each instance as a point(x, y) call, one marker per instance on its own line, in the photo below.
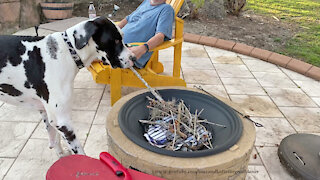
point(36, 29)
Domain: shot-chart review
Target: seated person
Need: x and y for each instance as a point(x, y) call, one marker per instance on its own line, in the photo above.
point(152, 23)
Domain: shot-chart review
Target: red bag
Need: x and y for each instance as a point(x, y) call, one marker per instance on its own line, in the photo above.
point(80, 167)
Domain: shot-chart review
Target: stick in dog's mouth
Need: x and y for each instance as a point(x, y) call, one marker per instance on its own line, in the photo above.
point(156, 95)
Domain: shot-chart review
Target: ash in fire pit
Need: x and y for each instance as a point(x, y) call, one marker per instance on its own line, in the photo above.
point(172, 126)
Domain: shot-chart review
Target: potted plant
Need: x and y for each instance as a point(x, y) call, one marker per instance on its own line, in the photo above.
point(55, 10)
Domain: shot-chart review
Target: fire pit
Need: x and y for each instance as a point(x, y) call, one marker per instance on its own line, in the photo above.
point(231, 145)
point(214, 111)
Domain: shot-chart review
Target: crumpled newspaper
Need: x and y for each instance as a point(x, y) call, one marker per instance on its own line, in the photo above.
point(160, 136)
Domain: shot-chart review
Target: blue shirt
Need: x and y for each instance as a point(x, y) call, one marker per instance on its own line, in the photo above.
point(145, 22)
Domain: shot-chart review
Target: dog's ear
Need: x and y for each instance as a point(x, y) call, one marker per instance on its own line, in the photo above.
point(82, 40)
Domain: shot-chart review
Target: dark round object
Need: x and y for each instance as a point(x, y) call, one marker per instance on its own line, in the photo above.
point(299, 153)
point(214, 111)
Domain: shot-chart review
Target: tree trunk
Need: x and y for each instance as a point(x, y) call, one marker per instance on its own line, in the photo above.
point(234, 7)
point(212, 8)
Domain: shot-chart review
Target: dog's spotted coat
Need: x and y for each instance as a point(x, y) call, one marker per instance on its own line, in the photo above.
point(38, 72)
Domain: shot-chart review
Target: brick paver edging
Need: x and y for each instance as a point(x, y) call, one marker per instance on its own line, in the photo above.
point(272, 57)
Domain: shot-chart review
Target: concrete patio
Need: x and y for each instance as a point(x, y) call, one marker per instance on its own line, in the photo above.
point(283, 101)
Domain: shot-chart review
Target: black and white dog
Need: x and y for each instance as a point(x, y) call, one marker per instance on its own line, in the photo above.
point(38, 72)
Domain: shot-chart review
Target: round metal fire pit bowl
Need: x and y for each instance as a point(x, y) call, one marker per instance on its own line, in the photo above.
point(228, 164)
point(214, 110)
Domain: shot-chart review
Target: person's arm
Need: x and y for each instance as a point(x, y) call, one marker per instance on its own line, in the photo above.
point(163, 32)
point(122, 23)
point(153, 42)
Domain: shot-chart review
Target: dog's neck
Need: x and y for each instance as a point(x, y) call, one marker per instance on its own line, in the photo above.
point(88, 53)
point(72, 51)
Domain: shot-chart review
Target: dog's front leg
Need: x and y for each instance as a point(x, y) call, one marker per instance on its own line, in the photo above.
point(67, 132)
point(54, 137)
point(60, 108)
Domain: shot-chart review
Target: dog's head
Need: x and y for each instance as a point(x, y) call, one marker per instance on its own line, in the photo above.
point(108, 39)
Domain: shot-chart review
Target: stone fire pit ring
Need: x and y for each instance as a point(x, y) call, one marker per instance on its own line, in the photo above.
point(232, 163)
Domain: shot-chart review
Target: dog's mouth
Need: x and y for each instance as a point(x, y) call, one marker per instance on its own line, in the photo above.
point(119, 62)
point(105, 63)
point(112, 65)
point(115, 66)
point(132, 58)
point(128, 63)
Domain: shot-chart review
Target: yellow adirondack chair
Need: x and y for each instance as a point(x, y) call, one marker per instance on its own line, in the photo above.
point(118, 77)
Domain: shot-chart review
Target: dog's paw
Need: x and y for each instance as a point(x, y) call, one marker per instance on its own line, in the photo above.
point(62, 154)
point(67, 153)
point(51, 146)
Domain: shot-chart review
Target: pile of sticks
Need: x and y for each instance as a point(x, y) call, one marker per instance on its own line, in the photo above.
point(171, 125)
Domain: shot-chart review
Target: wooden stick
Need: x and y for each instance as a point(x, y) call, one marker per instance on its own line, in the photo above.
point(175, 130)
point(209, 139)
point(151, 122)
point(178, 122)
point(206, 121)
point(195, 123)
point(156, 95)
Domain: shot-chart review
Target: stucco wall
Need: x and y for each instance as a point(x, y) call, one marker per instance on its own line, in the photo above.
point(9, 13)
point(19, 13)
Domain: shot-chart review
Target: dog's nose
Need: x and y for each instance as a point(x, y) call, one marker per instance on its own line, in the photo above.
point(132, 58)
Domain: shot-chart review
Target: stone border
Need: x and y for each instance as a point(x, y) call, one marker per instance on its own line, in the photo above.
point(272, 57)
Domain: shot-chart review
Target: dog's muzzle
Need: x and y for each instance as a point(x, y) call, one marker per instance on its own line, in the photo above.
point(132, 58)
point(105, 63)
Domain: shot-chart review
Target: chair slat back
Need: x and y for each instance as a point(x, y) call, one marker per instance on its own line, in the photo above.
point(176, 4)
point(168, 1)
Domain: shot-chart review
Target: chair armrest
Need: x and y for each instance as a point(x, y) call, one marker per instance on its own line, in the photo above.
point(164, 45)
point(168, 44)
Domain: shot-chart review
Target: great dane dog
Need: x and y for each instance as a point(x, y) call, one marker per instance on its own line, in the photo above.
point(38, 72)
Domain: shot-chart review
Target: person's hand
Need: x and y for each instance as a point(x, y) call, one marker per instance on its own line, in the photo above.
point(138, 51)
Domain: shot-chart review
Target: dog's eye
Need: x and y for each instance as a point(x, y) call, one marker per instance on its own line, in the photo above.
point(117, 41)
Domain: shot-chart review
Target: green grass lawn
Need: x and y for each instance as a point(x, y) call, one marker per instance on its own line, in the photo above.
point(306, 13)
